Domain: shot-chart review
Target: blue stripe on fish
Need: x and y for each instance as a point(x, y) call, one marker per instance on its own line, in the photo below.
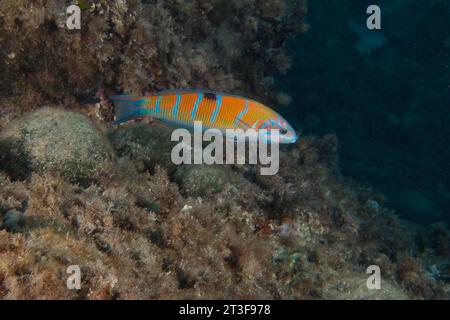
point(217, 109)
point(197, 103)
point(176, 106)
point(241, 114)
point(148, 103)
point(139, 103)
point(264, 125)
point(158, 104)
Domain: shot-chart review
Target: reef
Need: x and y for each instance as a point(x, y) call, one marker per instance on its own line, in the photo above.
point(75, 190)
point(137, 46)
point(204, 231)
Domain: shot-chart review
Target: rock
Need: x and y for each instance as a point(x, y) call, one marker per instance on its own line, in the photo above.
point(149, 144)
point(206, 180)
point(51, 139)
point(354, 287)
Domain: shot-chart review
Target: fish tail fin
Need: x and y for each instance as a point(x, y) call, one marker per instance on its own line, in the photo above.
point(128, 107)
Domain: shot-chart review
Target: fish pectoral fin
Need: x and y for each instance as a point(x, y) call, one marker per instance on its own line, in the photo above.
point(245, 125)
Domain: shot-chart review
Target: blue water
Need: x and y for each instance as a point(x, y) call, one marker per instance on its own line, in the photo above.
point(385, 94)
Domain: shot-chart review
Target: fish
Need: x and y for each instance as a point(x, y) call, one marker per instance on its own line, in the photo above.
point(369, 40)
point(183, 107)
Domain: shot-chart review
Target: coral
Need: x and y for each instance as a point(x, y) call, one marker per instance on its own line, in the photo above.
point(54, 140)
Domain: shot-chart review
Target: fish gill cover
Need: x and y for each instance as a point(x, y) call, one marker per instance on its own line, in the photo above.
point(77, 191)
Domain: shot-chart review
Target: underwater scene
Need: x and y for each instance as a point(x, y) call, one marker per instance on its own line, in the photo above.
point(225, 149)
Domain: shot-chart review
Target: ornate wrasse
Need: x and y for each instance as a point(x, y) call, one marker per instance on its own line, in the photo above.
point(215, 110)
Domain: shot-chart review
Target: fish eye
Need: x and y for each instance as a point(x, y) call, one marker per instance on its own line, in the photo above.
point(283, 131)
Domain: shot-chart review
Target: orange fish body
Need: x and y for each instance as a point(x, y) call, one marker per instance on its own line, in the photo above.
point(215, 110)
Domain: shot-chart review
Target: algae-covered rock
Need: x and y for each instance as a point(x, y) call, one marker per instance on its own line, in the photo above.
point(354, 287)
point(51, 139)
point(149, 144)
point(206, 180)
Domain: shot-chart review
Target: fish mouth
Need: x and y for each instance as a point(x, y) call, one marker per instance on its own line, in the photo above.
point(293, 138)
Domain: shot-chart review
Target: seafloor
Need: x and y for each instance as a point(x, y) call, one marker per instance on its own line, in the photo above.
point(75, 190)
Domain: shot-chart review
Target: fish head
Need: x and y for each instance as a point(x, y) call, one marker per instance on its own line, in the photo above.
point(287, 134)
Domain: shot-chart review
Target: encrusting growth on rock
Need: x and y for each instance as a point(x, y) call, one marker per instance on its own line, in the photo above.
point(203, 232)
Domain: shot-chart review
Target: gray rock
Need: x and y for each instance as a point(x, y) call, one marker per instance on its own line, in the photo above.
point(353, 286)
point(51, 139)
point(207, 180)
point(149, 144)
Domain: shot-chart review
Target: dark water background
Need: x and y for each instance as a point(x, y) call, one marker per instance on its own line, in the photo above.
point(388, 104)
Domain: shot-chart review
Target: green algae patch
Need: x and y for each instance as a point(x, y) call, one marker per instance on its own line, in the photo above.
point(55, 140)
